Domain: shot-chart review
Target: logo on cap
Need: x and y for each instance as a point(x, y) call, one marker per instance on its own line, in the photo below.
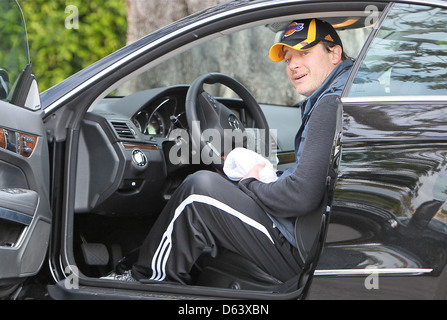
point(329, 38)
point(294, 27)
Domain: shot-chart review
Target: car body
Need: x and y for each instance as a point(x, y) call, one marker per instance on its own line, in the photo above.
point(89, 168)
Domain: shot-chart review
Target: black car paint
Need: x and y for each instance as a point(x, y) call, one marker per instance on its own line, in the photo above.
point(384, 207)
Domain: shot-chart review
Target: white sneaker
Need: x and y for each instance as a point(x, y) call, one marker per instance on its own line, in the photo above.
point(125, 276)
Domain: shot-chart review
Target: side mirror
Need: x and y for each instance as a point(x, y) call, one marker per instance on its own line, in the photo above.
point(4, 84)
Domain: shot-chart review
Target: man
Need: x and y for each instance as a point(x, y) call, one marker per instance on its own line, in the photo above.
point(252, 218)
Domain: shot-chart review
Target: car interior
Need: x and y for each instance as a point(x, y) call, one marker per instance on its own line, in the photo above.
point(127, 169)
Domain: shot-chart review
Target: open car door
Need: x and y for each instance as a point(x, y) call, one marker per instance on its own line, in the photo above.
point(25, 216)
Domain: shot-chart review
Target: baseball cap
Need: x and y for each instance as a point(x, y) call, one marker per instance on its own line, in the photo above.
point(302, 35)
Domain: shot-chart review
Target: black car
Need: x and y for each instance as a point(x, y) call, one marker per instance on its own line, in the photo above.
point(87, 166)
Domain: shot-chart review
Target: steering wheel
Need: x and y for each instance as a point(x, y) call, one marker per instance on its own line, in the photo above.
point(212, 126)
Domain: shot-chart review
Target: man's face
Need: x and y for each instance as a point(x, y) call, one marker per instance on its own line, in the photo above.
point(307, 70)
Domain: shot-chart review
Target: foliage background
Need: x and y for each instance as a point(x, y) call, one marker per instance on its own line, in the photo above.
point(57, 52)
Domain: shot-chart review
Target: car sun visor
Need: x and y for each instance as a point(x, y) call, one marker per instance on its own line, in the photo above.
point(18, 205)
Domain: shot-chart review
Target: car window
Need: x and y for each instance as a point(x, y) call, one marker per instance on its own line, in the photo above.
point(408, 55)
point(242, 55)
point(14, 52)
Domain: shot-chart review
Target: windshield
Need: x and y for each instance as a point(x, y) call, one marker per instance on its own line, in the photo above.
point(14, 52)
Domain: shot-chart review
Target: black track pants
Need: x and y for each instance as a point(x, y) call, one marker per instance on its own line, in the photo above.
point(208, 211)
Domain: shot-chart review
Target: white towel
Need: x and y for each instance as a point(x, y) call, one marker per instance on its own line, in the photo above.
point(240, 161)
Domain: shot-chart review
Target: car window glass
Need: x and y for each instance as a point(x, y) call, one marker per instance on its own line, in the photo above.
point(242, 55)
point(408, 55)
point(14, 53)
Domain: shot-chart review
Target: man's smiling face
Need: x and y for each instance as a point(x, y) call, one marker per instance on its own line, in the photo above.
point(307, 70)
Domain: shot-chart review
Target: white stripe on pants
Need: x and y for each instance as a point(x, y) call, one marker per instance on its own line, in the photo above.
point(164, 249)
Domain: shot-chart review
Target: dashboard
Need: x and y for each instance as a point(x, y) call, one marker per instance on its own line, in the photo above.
point(148, 114)
point(161, 116)
point(124, 145)
point(122, 167)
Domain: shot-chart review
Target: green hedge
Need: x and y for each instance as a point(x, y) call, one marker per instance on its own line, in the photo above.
point(58, 49)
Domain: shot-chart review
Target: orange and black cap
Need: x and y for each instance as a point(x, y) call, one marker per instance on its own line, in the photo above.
point(303, 35)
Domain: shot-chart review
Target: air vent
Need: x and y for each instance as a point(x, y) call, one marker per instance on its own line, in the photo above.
point(123, 130)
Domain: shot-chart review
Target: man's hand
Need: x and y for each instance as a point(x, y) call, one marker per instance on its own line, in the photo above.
point(254, 172)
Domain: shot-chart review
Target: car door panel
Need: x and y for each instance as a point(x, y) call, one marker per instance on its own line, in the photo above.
point(25, 216)
point(18, 205)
